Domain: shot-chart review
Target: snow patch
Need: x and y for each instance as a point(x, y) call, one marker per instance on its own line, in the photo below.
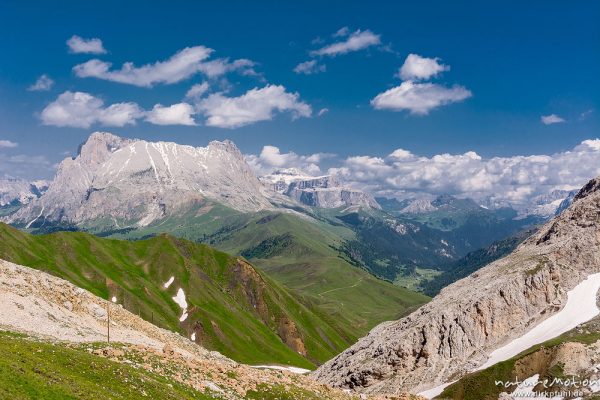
point(168, 283)
point(294, 370)
point(36, 218)
point(581, 307)
point(180, 300)
point(436, 391)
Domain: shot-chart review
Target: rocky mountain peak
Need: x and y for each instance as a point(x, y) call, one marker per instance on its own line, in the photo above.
point(18, 191)
point(130, 181)
point(459, 328)
point(591, 187)
point(325, 191)
point(99, 146)
point(226, 146)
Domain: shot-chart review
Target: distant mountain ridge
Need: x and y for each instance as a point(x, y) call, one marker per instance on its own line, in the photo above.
point(324, 191)
point(122, 182)
point(19, 191)
point(542, 206)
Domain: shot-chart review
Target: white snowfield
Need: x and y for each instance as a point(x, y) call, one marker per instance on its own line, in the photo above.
point(180, 300)
point(168, 283)
point(294, 370)
point(580, 307)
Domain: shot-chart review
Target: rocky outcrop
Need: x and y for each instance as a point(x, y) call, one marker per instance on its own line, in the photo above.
point(458, 329)
point(320, 191)
point(40, 304)
point(50, 309)
point(549, 204)
point(20, 192)
point(254, 289)
point(116, 182)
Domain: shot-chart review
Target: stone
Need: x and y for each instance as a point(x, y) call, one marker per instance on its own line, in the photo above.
point(469, 319)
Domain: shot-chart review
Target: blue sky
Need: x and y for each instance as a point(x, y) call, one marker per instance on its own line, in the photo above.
point(513, 61)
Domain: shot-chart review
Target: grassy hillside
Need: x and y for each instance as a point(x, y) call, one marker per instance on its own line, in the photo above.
point(302, 254)
point(232, 307)
point(35, 370)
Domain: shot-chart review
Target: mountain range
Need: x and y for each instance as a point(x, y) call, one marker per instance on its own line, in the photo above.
point(488, 317)
point(292, 269)
point(133, 188)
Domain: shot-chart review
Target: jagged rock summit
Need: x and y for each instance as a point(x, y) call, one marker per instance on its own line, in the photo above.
point(324, 191)
point(137, 182)
point(458, 329)
point(115, 182)
point(19, 191)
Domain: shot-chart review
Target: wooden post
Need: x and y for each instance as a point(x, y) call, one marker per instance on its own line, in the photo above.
point(108, 321)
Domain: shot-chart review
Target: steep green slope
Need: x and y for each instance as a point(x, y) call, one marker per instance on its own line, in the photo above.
point(36, 370)
point(232, 307)
point(303, 254)
point(33, 368)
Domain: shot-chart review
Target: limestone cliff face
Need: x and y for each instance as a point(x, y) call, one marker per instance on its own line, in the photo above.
point(19, 192)
point(320, 191)
point(115, 180)
point(470, 318)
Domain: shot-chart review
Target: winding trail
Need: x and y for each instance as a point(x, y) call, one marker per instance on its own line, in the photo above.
point(340, 288)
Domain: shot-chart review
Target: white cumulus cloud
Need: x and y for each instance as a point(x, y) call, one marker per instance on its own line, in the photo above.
point(416, 67)
point(499, 180)
point(355, 41)
point(176, 114)
point(551, 119)
point(8, 144)
point(271, 158)
point(222, 66)
point(419, 98)
point(253, 106)
point(78, 44)
point(81, 110)
point(197, 91)
point(178, 67)
point(310, 67)
point(43, 83)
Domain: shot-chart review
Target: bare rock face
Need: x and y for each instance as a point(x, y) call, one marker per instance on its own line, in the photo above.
point(135, 182)
point(18, 191)
point(321, 191)
point(458, 329)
